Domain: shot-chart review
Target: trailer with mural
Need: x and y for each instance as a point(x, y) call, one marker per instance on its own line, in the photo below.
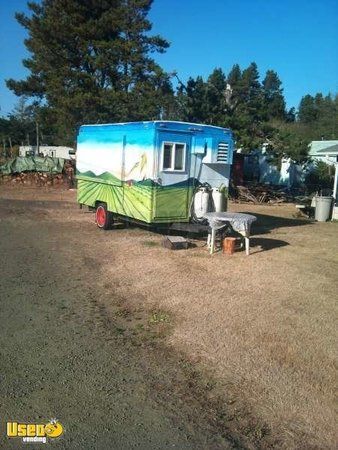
point(154, 172)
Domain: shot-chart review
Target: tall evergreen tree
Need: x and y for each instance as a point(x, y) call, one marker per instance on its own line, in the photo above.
point(216, 97)
point(234, 81)
point(195, 101)
point(20, 125)
point(90, 61)
point(245, 111)
point(4, 133)
point(235, 75)
point(22, 121)
point(274, 103)
point(291, 115)
point(319, 116)
point(307, 111)
point(252, 89)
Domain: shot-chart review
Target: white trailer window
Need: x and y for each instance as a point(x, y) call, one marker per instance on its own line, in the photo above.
point(173, 156)
point(167, 156)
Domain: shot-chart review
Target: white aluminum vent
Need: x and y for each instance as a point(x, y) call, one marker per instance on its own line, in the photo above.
point(222, 153)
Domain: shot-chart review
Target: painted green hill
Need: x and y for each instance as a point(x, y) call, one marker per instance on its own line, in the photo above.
point(107, 176)
point(89, 173)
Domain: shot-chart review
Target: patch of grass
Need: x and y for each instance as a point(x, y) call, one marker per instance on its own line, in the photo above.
point(150, 243)
point(119, 330)
point(159, 317)
point(123, 313)
point(264, 325)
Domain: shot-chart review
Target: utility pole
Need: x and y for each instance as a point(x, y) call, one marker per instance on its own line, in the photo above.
point(37, 149)
point(10, 145)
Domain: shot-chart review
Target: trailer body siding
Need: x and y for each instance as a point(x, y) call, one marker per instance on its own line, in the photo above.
point(148, 170)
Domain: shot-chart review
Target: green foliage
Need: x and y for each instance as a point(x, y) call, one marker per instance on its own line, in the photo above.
point(287, 140)
point(19, 127)
point(238, 101)
point(307, 112)
point(248, 109)
point(256, 111)
point(90, 63)
point(4, 128)
point(159, 317)
point(321, 177)
point(192, 101)
point(274, 103)
point(317, 119)
point(215, 97)
point(320, 115)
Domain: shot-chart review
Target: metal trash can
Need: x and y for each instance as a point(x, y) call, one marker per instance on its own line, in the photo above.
point(323, 208)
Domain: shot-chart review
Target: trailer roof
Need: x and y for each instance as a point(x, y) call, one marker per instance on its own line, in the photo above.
point(318, 148)
point(157, 122)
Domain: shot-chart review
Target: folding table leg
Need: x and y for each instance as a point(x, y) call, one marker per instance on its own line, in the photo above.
point(213, 233)
point(247, 245)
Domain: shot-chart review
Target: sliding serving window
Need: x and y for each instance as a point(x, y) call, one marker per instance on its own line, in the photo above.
point(173, 157)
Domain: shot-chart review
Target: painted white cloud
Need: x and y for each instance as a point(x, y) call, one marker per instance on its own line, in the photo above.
point(98, 158)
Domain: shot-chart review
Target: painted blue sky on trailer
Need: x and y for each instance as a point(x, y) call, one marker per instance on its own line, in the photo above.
point(135, 150)
point(141, 133)
point(107, 135)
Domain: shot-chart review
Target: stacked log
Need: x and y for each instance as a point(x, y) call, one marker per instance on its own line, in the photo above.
point(39, 179)
point(261, 194)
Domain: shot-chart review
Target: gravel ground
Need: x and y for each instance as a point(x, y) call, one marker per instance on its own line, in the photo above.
point(131, 345)
point(103, 373)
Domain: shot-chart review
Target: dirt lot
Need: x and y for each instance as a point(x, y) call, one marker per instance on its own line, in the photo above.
point(131, 345)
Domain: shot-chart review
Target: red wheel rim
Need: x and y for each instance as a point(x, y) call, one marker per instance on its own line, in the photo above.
point(100, 216)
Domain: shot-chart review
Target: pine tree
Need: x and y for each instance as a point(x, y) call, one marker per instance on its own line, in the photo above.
point(252, 89)
point(234, 76)
point(307, 111)
point(90, 62)
point(245, 111)
point(215, 97)
point(319, 116)
point(291, 115)
point(21, 123)
point(195, 101)
point(274, 102)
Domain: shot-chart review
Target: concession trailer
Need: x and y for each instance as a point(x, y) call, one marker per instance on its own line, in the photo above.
point(157, 172)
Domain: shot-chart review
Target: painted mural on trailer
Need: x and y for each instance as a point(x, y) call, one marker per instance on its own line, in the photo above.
point(125, 166)
point(104, 152)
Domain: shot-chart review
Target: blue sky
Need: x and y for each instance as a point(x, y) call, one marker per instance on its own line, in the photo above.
point(298, 39)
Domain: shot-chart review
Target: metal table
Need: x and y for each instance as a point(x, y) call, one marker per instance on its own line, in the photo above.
point(240, 222)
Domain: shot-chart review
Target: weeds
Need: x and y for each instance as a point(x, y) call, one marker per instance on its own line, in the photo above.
point(150, 243)
point(159, 317)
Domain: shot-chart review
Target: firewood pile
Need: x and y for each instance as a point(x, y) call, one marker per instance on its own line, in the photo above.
point(35, 179)
point(261, 194)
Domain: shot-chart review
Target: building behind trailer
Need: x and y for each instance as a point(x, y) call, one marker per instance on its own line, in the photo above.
point(48, 150)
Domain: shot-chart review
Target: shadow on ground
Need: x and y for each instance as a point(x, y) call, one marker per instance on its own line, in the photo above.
point(265, 223)
point(265, 244)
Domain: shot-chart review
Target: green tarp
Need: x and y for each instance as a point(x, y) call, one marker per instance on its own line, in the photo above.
point(32, 164)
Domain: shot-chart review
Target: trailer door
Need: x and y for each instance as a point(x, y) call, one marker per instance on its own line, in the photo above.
point(173, 188)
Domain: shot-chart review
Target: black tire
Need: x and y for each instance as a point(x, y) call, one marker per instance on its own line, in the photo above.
point(104, 219)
